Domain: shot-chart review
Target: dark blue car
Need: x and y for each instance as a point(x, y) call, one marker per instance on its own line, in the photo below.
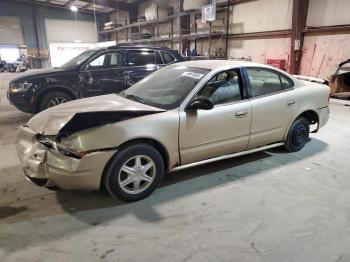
point(92, 73)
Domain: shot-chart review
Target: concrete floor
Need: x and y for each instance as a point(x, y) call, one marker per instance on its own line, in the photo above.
point(269, 206)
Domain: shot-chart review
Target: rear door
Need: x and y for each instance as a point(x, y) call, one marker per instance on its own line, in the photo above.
point(140, 63)
point(105, 74)
point(274, 102)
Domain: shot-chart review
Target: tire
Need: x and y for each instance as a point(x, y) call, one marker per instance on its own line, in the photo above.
point(298, 135)
point(52, 99)
point(130, 179)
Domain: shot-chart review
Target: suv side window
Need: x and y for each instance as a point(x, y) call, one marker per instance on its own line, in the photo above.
point(98, 62)
point(159, 60)
point(167, 57)
point(140, 58)
point(108, 60)
point(223, 88)
point(265, 81)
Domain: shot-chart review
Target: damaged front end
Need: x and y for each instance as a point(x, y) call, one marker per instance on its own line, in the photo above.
point(52, 152)
point(47, 163)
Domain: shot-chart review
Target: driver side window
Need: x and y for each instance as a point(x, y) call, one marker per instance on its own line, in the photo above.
point(223, 88)
point(108, 60)
point(98, 62)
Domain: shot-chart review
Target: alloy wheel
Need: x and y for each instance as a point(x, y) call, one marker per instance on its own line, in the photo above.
point(56, 101)
point(137, 174)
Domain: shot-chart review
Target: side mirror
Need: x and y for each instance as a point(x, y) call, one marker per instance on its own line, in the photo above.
point(85, 69)
point(200, 102)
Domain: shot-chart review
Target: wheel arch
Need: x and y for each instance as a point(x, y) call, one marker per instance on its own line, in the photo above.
point(146, 140)
point(152, 142)
point(310, 115)
point(54, 88)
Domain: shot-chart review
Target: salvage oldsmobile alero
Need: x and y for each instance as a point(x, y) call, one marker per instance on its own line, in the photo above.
point(182, 115)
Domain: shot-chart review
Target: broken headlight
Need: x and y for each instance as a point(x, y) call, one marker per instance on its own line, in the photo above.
point(19, 87)
point(53, 145)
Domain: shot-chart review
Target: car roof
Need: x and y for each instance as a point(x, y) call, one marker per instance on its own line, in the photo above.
point(138, 47)
point(214, 64)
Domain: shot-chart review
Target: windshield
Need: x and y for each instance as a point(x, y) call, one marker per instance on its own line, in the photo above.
point(167, 87)
point(71, 64)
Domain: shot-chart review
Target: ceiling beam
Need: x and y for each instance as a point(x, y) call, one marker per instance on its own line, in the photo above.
point(111, 4)
point(47, 4)
point(69, 3)
point(107, 3)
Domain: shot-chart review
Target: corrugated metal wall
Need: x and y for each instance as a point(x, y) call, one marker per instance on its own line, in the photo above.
point(322, 53)
point(83, 31)
point(11, 31)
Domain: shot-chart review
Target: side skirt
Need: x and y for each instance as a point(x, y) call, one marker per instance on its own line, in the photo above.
point(210, 160)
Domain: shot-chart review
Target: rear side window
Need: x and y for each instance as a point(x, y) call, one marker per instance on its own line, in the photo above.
point(140, 58)
point(167, 57)
point(286, 82)
point(159, 60)
point(265, 81)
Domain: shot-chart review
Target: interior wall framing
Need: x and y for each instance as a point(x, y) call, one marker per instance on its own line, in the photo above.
point(33, 25)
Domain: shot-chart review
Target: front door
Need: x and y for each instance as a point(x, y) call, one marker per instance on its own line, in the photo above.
point(274, 105)
point(103, 75)
point(222, 130)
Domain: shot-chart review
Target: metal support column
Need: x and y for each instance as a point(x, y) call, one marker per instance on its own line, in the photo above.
point(209, 48)
point(299, 16)
point(227, 27)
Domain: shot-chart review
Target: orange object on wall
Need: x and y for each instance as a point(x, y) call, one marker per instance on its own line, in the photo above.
point(278, 63)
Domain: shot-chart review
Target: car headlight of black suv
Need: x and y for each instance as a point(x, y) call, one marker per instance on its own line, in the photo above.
point(21, 87)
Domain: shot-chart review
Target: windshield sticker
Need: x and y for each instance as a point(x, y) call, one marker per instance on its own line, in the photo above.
point(192, 75)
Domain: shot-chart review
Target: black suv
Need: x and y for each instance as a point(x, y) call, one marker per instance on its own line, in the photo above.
point(94, 72)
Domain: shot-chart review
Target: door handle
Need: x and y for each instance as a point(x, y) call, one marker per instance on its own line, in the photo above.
point(291, 102)
point(241, 113)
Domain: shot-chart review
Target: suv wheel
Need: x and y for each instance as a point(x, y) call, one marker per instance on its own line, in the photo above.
point(298, 135)
point(53, 99)
point(134, 172)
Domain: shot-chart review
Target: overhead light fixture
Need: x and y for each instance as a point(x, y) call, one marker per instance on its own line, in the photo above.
point(74, 8)
point(77, 41)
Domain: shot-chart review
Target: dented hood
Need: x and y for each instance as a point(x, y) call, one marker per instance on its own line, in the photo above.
point(88, 112)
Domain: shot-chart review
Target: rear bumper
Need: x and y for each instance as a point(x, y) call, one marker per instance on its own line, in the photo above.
point(49, 168)
point(323, 115)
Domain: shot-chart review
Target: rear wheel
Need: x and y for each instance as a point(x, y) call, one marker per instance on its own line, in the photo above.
point(134, 172)
point(298, 135)
point(53, 99)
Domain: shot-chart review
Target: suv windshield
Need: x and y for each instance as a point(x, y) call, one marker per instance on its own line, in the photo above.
point(71, 64)
point(167, 87)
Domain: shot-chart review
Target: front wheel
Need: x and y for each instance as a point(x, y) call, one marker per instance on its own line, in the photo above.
point(53, 99)
point(134, 172)
point(298, 135)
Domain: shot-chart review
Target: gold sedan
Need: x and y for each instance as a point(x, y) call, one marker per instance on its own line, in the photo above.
point(183, 115)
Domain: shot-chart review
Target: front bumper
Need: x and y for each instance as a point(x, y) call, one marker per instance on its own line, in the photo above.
point(22, 102)
point(49, 168)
